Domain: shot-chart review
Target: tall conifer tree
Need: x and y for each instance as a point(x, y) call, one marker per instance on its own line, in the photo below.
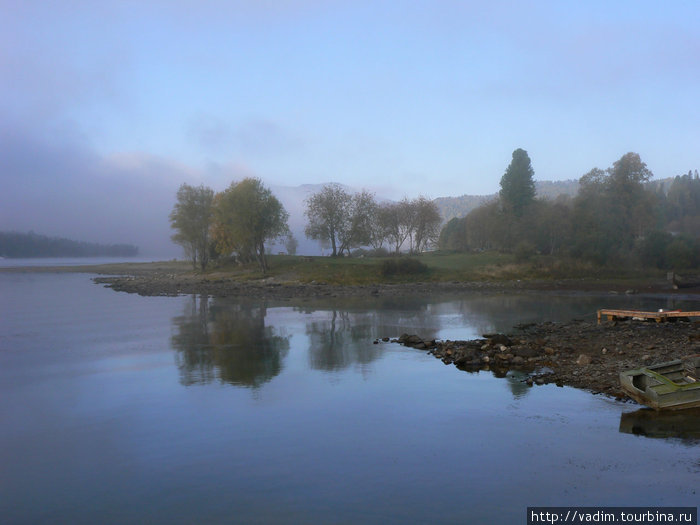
point(517, 184)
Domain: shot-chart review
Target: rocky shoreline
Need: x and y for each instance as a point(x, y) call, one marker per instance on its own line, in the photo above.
point(221, 285)
point(581, 354)
point(174, 284)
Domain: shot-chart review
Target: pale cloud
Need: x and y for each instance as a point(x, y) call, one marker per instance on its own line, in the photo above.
point(253, 137)
point(264, 137)
point(211, 134)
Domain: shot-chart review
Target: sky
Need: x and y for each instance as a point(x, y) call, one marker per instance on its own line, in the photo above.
point(107, 107)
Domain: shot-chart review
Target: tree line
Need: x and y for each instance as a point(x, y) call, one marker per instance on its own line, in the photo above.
point(615, 218)
point(29, 245)
point(239, 221)
point(343, 221)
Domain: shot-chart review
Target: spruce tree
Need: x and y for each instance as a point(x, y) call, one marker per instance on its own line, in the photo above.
point(517, 184)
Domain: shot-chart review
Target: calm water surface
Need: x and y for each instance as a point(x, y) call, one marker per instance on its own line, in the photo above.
point(69, 261)
point(116, 408)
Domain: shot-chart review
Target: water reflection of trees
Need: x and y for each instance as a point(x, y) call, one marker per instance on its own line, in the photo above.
point(341, 339)
point(226, 341)
point(341, 333)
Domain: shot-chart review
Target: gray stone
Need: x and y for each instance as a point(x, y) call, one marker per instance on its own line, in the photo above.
point(499, 339)
point(583, 360)
point(524, 351)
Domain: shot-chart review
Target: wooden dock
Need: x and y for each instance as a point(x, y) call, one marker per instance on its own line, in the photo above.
point(660, 316)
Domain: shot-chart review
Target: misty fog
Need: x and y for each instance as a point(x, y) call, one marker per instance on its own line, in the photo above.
point(61, 187)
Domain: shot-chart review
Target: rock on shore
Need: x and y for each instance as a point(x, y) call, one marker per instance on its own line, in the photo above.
point(581, 354)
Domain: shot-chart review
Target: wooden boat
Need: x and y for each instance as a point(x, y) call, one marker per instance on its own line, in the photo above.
point(673, 385)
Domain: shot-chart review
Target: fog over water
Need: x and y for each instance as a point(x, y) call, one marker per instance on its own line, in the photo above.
point(121, 199)
point(66, 190)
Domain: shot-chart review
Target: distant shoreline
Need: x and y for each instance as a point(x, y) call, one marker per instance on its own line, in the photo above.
point(31, 245)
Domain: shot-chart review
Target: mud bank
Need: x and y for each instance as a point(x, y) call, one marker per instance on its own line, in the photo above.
point(580, 354)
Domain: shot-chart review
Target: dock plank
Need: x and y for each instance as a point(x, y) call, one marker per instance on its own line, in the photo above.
point(612, 314)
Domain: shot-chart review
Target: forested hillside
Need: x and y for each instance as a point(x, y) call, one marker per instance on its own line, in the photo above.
point(27, 245)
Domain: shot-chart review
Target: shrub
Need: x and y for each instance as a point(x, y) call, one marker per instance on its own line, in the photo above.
point(403, 266)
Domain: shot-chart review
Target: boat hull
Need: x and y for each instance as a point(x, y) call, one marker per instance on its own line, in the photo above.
point(668, 386)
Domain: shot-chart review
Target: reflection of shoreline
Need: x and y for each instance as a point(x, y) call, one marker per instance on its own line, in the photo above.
point(681, 424)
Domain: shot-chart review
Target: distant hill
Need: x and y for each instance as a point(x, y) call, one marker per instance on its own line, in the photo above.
point(551, 189)
point(28, 245)
point(451, 207)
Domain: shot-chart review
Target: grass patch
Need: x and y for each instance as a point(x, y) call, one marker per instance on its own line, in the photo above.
point(429, 267)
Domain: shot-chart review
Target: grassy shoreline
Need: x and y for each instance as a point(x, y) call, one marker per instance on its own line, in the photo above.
point(435, 268)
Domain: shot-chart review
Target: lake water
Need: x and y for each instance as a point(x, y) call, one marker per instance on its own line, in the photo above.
point(116, 408)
